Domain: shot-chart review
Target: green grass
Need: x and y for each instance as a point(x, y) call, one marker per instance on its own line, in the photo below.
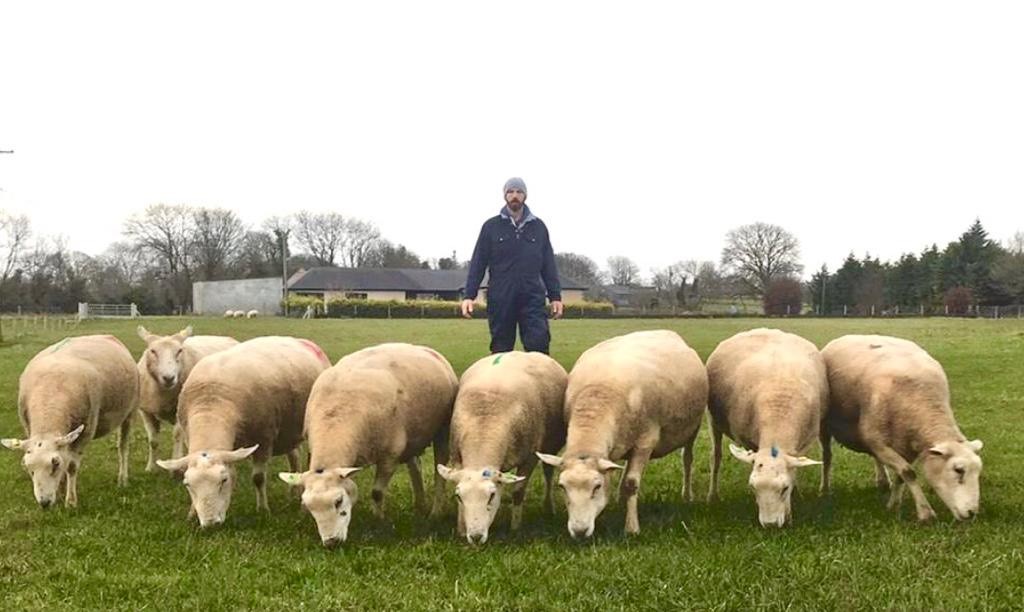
point(133, 549)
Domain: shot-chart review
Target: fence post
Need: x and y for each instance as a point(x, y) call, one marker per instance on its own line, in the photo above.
point(996, 316)
point(844, 310)
point(947, 310)
point(389, 311)
point(922, 310)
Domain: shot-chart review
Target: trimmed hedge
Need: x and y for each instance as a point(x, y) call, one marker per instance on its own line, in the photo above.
point(418, 309)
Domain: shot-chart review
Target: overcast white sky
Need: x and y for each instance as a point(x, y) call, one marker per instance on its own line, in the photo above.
point(643, 129)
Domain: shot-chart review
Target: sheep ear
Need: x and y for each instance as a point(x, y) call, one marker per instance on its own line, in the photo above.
point(12, 443)
point(744, 455)
point(975, 445)
point(345, 472)
point(184, 334)
point(509, 478)
point(238, 454)
point(144, 334)
point(173, 465)
point(553, 460)
point(801, 461)
point(604, 465)
point(71, 436)
point(448, 473)
point(292, 478)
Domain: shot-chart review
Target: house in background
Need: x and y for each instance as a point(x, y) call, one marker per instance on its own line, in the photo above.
point(398, 284)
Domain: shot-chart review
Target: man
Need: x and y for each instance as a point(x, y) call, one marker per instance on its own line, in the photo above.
point(515, 247)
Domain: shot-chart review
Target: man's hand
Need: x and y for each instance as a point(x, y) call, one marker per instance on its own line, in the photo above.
point(467, 308)
point(556, 310)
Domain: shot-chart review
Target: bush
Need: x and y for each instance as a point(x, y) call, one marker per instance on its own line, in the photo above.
point(958, 300)
point(783, 296)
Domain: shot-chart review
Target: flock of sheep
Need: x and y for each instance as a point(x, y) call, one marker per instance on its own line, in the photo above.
point(626, 401)
point(240, 314)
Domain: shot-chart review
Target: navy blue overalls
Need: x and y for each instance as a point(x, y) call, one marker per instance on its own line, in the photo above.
point(522, 265)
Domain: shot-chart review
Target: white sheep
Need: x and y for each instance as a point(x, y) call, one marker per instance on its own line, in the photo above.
point(246, 400)
point(890, 399)
point(636, 397)
point(71, 392)
point(238, 314)
point(252, 314)
point(768, 391)
point(509, 407)
point(163, 368)
point(381, 406)
point(229, 314)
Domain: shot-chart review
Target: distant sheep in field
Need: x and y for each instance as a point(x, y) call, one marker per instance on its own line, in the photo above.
point(239, 314)
point(252, 314)
point(228, 314)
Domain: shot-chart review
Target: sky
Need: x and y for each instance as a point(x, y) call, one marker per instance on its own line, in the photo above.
point(646, 129)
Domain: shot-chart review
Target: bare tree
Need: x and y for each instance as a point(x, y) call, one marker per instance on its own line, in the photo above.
point(217, 238)
point(623, 271)
point(322, 235)
point(15, 231)
point(760, 252)
point(166, 232)
point(1015, 245)
point(362, 239)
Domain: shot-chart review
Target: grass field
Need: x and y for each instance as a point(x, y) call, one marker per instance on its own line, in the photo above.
point(132, 548)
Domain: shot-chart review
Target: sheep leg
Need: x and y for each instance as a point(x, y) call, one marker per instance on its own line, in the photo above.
point(687, 456)
point(461, 523)
point(385, 470)
point(152, 426)
point(716, 461)
point(71, 494)
point(295, 465)
point(629, 490)
point(416, 478)
point(881, 477)
point(123, 440)
point(259, 480)
point(442, 454)
point(895, 494)
point(179, 442)
point(549, 485)
point(519, 493)
point(905, 473)
point(826, 460)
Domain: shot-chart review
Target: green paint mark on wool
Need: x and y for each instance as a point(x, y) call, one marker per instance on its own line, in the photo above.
point(497, 359)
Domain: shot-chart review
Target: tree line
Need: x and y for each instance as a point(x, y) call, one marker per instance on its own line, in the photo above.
point(165, 248)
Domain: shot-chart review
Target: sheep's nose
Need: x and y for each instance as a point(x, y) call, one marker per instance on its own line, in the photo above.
point(332, 542)
point(972, 513)
point(45, 503)
point(578, 532)
point(476, 538)
point(169, 380)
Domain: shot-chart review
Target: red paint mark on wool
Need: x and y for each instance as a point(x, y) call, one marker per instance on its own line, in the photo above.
point(319, 352)
point(434, 354)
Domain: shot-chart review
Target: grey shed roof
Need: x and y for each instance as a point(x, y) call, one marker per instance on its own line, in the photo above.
point(388, 279)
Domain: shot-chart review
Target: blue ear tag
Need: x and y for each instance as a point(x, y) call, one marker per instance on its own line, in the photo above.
point(775, 452)
point(486, 474)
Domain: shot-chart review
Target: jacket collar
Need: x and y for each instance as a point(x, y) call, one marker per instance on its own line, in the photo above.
point(526, 218)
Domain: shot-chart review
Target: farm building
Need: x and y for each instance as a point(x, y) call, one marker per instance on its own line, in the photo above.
point(400, 284)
